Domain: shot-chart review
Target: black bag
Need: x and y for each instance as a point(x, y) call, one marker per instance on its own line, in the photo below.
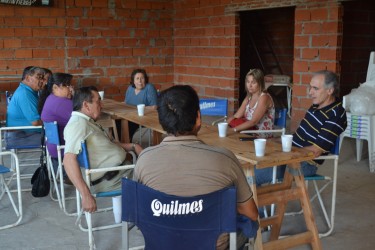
point(40, 181)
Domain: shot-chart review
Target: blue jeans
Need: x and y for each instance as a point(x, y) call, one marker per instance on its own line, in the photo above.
point(263, 176)
point(19, 139)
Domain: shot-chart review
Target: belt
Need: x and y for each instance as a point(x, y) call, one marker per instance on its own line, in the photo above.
point(107, 176)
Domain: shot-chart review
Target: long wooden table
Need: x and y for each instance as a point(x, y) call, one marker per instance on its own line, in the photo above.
point(279, 194)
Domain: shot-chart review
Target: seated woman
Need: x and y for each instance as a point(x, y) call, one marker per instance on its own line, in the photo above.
point(257, 111)
point(140, 92)
point(55, 104)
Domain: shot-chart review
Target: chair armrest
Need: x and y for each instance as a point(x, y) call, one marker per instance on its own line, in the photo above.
point(282, 131)
point(122, 167)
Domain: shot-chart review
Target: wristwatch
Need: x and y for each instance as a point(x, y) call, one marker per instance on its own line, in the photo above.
point(133, 147)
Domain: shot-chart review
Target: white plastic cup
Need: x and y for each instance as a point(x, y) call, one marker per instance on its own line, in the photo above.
point(101, 94)
point(141, 109)
point(260, 147)
point(117, 210)
point(286, 142)
point(222, 126)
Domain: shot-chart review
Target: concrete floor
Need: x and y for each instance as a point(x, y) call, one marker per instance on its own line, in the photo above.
point(45, 226)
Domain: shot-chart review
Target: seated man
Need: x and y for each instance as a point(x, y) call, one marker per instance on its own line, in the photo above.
point(183, 165)
point(103, 152)
point(23, 108)
point(324, 121)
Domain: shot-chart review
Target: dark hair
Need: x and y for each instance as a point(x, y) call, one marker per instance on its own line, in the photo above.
point(330, 81)
point(46, 71)
point(178, 108)
point(56, 78)
point(136, 71)
point(26, 72)
point(81, 95)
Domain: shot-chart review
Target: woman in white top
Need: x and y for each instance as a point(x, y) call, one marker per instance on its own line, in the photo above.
point(257, 110)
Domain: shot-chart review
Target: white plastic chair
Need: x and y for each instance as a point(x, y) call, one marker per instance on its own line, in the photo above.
point(4, 188)
point(361, 127)
point(83, 159)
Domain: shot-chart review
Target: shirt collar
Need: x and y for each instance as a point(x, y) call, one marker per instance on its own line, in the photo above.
point(183, 138)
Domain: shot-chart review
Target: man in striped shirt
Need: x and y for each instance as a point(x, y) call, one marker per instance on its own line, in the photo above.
point(324, 121)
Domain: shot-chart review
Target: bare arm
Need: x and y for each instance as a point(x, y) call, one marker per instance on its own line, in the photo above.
point(37, 123)
point(316, 150)
point(74, 173)
point(261, 109)
point(249, 209)
point(129, 146)
point(241, 111)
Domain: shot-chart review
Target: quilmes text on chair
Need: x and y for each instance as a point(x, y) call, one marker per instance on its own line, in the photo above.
point(214, 107)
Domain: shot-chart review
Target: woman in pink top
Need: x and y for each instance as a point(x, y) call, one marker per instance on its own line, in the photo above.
point(257, 110)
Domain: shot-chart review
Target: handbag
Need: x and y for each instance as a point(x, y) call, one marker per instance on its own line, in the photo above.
point(40, 180)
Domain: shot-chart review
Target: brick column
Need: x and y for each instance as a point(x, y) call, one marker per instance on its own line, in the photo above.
point(317, 46)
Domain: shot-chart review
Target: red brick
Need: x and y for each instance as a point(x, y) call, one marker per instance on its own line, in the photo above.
point(301, 41)
point(48, 22)
point(328, 54)
point(75, 52)
point(330, 27)
point(83, 3)
point(87, 62)
point(7, 10)
point(12, 43)
point(99, 3)
point(7, 32)
point(312, 28)
point(320, 14)
point(302, 15)
point(324, 40)
point(95, 52)
point(308, 53)
point(30, 21)
point(13, 21)
point(57, 53)
point(23, 53)
point(40, 32)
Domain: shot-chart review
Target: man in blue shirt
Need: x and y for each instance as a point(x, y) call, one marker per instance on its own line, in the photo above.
point(23, 108)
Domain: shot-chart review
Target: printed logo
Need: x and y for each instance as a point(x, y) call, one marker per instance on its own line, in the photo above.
point(176, 208)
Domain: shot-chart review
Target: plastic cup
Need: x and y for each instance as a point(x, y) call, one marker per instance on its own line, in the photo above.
point(101, 94)
point(286, 142)
point(222, 126)
point(260, 147)
point(141, 109)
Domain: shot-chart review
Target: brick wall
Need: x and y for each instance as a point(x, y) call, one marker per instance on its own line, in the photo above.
point(105, 37)
point(178, 42)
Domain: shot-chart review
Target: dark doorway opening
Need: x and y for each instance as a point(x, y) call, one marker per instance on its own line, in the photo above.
point(267, 42)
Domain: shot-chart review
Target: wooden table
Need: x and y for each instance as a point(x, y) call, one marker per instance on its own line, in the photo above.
point(279, 194)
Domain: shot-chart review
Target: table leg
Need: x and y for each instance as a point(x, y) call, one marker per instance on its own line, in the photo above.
point(125, 131)
point(249, 172)
point(307, 210)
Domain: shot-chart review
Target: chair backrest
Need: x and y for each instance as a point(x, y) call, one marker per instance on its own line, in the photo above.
point(52, 132)
point(280, 117)
point(214, 107)
point(83, 156)
point(173, 222)
point(336, 149)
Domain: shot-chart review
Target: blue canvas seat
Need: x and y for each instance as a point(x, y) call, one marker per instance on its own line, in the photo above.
point(173, 222)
